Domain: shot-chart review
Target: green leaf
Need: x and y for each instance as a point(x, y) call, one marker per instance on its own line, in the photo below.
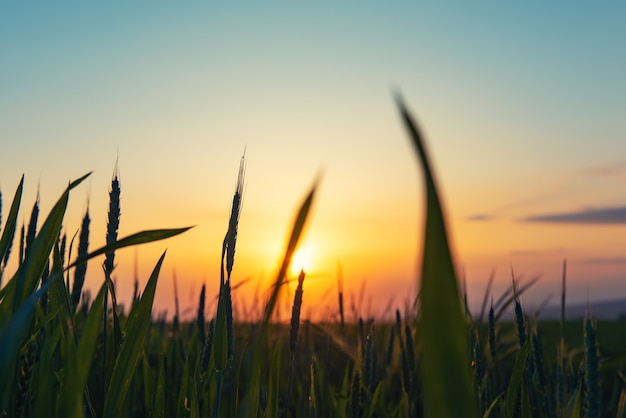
point(9, 228)
point(159, 395)
point(29, 273)
point(126, 362)
point(517, 377)
point(274, 383)
point(445, 349)
point(221, 333)
point(577, 401)
point(14, 333)
point(78, 366)
point(181, 410)
point(142, 237)
point(487, 413)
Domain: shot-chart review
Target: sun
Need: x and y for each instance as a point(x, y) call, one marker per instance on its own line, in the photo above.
point(301, 260)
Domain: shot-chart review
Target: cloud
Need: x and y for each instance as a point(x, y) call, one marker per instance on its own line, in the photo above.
point(604, 216)
point(480, 217)
point(603, 260)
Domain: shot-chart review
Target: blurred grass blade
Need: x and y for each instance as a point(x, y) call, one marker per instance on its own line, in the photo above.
point(296, 232)
point(517, 378)
point(126, 362)
point(445, 359)
point(76, 373)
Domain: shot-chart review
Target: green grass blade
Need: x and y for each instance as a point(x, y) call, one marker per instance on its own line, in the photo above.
point(11, 223)
point(30, 271)
point(274, 382)
point(126, 362)
point(517, 378)
point(182, 392)
point(142, 237)
point(159, 395)
point(77, 370)
point(14, 333)
point(489, 410)
point(445, 349)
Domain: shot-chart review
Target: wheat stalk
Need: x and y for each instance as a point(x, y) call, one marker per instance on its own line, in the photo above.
point(80, 271)
point(32, 227)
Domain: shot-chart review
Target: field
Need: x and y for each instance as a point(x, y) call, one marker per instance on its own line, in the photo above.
point(63, 354)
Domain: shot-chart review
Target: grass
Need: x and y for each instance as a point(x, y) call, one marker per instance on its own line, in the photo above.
point(63, 354)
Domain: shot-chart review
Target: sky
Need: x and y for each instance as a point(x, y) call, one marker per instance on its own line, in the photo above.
point(521, 104)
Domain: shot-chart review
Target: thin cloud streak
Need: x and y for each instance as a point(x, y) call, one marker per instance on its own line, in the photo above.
point(603, 216)
point(603, 260)
point(480, 217)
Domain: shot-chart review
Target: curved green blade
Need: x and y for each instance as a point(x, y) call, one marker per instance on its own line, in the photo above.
point(445, 364)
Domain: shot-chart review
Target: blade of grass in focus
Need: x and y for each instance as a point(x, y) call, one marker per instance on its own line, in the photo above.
point(445, 363)
point(126, 362)
point(10, 226)
point(29, 273)
point(76, 375)
point(517, 378)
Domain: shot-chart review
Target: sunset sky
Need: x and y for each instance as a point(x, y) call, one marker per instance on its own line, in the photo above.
point(523, 106)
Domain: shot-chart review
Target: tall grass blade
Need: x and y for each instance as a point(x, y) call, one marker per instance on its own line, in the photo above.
point(517, 378)
point(14, 332)
point(29, 273)
point(126, 362)
point(138, 238)
point(77, 372)
point(445, 364)
point(8, 233)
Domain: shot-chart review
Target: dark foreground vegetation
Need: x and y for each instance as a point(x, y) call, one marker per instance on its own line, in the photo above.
point(65, 354)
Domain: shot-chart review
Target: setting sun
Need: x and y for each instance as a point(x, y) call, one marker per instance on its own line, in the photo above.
point(301, 260)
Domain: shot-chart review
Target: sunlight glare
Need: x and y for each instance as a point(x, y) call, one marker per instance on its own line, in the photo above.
point(301, 260)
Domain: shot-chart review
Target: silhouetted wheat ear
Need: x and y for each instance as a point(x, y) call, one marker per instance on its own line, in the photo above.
point(113, 220)
point(234, 218)
point(22, 238)
point(538, 360)
point(62, 248)
point(230, 338)
point(80, 271)
point(340, 293)
point(32, 227)
point(207, 348)
point(519, 322)
point(200, 316)
point(492, 334)
point(592, 370)
point(295, 314)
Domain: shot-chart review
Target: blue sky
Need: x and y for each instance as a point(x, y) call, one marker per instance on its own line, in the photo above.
point(522, 104)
